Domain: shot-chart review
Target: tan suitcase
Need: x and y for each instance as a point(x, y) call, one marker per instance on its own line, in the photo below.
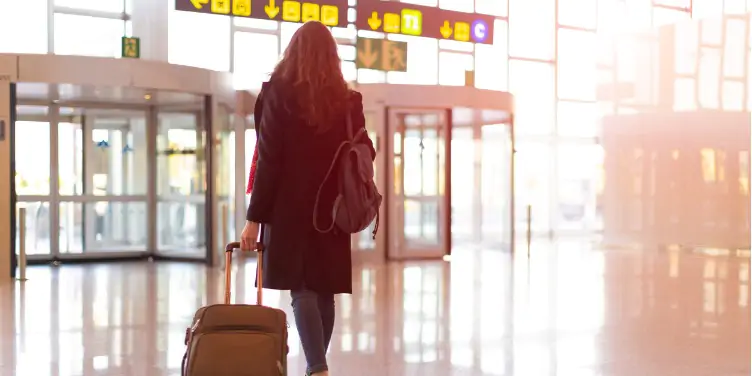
point(237, 339)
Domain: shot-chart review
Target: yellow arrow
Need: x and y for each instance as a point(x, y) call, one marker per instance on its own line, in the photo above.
point(446, 30)
point(366, 54)
point(374, 22)
point(198, 4)
point(271, 10)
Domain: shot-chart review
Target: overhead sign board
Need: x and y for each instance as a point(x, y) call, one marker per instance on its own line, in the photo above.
point(381, 54)
point(431, 22)
point(329, 12)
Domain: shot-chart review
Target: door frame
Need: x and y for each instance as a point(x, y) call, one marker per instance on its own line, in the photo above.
point(150, 198)
point(395, 242)
point(375, 119)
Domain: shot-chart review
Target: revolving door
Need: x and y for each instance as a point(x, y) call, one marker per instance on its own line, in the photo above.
point(445, 166)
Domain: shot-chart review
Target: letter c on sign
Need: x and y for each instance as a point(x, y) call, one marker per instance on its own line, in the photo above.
point(479, 31)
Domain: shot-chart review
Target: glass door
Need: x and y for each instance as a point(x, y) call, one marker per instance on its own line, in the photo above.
point(418, 204)
point(101, 156)
point(181, 186)
point(33, 140)
point(365, 248)
point(224, 178)
point(495, 186)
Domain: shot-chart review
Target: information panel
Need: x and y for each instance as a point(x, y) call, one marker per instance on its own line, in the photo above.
point(329, 12)
point(381, 54)
point(430, 22)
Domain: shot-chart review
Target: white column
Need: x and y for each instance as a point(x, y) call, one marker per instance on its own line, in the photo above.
point(239, 125)
point(149, 18)
point(137, 180)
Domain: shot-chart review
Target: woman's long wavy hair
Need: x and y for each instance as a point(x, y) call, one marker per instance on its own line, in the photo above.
point(311, 67)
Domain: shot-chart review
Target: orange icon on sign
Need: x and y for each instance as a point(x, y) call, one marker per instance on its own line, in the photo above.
point(310, 12)
point(462, 31)
point(220, 6)
point(329, 15)
point(241, 8)
point(290, 11)
point(392, 23)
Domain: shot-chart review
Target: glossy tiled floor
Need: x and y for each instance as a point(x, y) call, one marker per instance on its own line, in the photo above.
point(569, 310)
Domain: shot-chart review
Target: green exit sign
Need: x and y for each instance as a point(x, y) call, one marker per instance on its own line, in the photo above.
point(131, 47)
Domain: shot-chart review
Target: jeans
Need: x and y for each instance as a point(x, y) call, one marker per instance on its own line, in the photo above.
point(314, 318)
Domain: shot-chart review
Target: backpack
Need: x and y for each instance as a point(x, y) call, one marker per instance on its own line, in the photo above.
point(358, 200)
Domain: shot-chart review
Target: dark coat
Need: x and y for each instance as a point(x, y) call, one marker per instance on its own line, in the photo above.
point(292, 163)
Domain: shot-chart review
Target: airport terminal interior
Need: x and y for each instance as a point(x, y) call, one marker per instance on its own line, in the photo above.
point(566, 183)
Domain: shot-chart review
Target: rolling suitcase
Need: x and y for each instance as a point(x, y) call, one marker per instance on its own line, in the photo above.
point(237, 339)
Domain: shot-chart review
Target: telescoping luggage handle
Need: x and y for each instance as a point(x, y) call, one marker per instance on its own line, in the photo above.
point(229, 249)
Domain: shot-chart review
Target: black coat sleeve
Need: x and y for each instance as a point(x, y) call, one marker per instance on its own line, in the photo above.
point(268, 167)
point(359, 121)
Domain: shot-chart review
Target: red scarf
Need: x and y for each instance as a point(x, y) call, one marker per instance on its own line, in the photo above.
point(252, 174)
point(257, 108)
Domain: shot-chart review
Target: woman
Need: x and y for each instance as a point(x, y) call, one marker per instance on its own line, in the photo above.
point(302, 123)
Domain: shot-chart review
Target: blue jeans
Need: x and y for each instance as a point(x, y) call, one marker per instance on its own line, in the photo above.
point(314, 318)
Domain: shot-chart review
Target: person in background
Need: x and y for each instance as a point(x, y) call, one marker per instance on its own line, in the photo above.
point(302, 121)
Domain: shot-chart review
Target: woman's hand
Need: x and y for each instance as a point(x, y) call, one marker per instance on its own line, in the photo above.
point(249, 236)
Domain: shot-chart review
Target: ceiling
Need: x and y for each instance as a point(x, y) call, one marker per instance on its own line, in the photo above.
point(39, 93)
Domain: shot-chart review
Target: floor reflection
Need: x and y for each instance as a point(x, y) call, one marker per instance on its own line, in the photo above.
point(568, 310)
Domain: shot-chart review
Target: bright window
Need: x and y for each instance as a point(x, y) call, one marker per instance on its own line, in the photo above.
point(733, 96)
point(578, 119)
point(676, 3)
point(349, 72)
point(734, 7)
point(346, 52)
point(457, 5)
point(492, 7)
point(706, 8)
point(533, 87)
point(255, 23)
point(638, 14)
point(611, 18)
point(531, 29)
point(491, 61)
point(734, 48)
point(370, 76)
point(684, 94)
point(577, 57)
point(749, 97)
point(580, 181)
point(422, 63)
point(664, 16)
point(532, 172)
point(708, 77)
point(32, 158)
point(452, 68)
point(685, 53)
point(255, 58)
point(74, 36)
point(287, 30)
point(114, 6)
point(430, 3)
point(199, 40)
point(27, 18)
point(578, 13)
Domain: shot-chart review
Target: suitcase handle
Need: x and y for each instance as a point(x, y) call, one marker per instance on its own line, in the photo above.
point(229, 249)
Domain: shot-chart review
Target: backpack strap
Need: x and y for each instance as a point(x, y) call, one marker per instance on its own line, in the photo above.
point(321, 188)
point(351, 139)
